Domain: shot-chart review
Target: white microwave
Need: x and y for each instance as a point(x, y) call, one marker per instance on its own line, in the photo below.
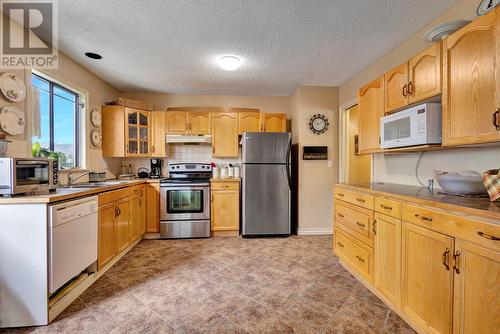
point(419, 125)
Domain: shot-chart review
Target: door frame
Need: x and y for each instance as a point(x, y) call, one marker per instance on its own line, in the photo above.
point(343, 142)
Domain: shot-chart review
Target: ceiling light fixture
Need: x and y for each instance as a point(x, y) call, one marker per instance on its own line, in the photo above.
point(92, 55)
point(229, 62)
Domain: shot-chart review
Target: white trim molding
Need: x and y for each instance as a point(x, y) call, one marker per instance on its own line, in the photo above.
point(315, 231)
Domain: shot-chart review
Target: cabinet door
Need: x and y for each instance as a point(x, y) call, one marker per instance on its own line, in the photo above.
point(272, 122)
point(396, 88)
point(470, 88)
point(371, 109)
point(144, 133)
point(425, 74)
point(225, 210)
point(177, 122)
point(132, 132)
point(107, 248)
point(249, 121)
point(199, 122)
point(388, 257)
point(123, 224)
point(142, 211)
point(427, 278)
point(225, 135)
point(158, 126)
point(477, 290)
point(152, 207)
point(137, 217)
point(114, 141)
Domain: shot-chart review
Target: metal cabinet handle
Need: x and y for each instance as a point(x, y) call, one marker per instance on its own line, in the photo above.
point(446, 259)
point(360, 258)
point(140, 202)
point(340, 215)
point(456, 266)
point(340, 245)
point(487, 236)
point(405, 90)
point(340, 194)
point(116, 212)
point(385, 207)
point(360, 200)
point(429, 219)
point(496, 119)
point(360, 225)
point(410, 88)
point(374, 227)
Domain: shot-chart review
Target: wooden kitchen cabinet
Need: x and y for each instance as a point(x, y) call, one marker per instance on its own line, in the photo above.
point(158, 132)
point(126, 132)
point(190, 120)
point(387, 277)
point(225, 135)
point(123, 224)
point(107, 247)
point(273, 122)
point(396, 88)
point(138, 216)
point(200, 122)
point(248, 120)
point(177, 122)
point(152, 207)
point(471, 94)
point(427, 278)
point(371, 109)
point(425, 74)
point(477, 289)
point(225, 205)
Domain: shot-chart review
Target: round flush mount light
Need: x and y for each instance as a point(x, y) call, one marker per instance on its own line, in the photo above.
point(229, 62)
point(437, 33)
point(92, 55)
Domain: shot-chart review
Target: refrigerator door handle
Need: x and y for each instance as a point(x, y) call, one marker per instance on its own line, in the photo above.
point(288, 172)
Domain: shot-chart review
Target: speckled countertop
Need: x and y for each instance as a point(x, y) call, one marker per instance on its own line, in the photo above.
point(420, 195)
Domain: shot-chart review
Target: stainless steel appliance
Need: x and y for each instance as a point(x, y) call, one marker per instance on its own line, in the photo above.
point(185, 201)
point(72, 239)
point(156, 172)
point(419, 125)
point(27, 175)
point(266, 184)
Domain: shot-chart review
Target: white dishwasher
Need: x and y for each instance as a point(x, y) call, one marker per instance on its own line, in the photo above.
point(72, 239)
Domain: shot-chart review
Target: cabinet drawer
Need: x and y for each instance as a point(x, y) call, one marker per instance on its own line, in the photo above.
point(115, 195)
point(356, 198)
point(480, 232)
point(355, 222)
point(354, 253)
point(388, 207)
point(225, 185)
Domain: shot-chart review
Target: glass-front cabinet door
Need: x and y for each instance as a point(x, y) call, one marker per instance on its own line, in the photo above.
point(138, 132)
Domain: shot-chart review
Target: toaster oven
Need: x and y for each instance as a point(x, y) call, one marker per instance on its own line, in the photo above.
point(27, 175)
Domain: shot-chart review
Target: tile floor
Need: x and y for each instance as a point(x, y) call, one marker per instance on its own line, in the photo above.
point(227, 285)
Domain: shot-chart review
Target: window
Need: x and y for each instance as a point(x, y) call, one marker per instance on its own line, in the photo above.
point(56, 112)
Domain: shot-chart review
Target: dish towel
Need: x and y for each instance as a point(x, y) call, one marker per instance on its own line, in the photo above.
point(491, 179)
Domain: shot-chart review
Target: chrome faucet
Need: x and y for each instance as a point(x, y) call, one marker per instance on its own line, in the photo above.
point(72, 179)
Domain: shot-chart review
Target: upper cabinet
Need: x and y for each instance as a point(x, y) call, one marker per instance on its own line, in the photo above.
point(248, 120)
point(158, 131)
point(126, 132)
point(177, 122)
point(273, 122)
point(471, 95)
point(189, 120)
point(371, 108)
point(225, 135)
point(415, 80)
point(200, 122)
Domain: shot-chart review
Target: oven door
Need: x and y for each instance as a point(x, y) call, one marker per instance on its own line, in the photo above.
point(399, 130)
point(184, 202)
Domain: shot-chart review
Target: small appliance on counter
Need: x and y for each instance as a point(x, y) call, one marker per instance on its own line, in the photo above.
point(142, 173)
point(156, 172)
point(28, 175)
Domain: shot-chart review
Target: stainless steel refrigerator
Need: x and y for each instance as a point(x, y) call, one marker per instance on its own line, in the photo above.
point(266, 174)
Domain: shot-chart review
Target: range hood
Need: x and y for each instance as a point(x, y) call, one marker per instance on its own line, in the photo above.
point(188, 139)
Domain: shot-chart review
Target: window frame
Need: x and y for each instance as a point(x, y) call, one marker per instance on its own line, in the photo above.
point(77, 113)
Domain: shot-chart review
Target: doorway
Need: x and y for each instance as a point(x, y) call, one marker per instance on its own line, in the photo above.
point(358, 168)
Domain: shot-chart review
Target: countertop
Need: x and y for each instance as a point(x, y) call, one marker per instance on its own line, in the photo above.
point(226, 180)
point(419, 195)
point(63, 194)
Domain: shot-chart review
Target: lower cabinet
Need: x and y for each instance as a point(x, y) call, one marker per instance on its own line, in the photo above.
point(428, 278)
point(107, 234)
point(123, 223)
point(138, 214)
point(387, 277)
point(152, 207)
point(225, 205)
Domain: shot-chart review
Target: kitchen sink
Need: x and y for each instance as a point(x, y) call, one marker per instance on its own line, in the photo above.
point(94, 184)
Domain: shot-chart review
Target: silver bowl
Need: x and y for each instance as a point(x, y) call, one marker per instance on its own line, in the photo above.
point(462, 184)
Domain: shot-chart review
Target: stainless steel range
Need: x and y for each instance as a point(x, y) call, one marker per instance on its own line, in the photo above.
point(185, 201)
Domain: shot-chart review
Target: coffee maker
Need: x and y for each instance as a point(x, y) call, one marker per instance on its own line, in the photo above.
point(155, 169)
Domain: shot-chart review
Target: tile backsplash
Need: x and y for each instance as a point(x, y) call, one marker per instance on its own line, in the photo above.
point(182, 153)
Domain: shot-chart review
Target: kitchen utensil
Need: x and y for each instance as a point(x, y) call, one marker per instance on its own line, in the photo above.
point(12, 87)
point(143, 173)
point(12, 121)
point(463, 182)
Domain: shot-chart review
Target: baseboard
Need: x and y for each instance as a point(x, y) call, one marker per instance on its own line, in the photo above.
point(314, 231)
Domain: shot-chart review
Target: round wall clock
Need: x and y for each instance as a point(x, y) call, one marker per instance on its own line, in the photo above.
point(485, 6)
point(96, 137)
point(318, 124)
point(96, 118)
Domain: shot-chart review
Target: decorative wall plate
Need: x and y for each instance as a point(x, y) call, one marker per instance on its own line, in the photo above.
point(318, 124)
point(12, 121)
point(485, 6)
point(96, 117)
point(96, 137)
point(13, 88)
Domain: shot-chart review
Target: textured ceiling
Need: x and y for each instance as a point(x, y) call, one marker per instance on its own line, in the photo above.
point(171, 46)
